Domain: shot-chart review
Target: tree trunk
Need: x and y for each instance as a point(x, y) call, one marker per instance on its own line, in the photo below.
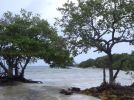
point(24, 67)
point(16, 67)
point(111, 81)
point(16, 72)
point(118, 69)
point(10, 72)
point(111, 76)
point(10, 67)
point(22, 72)
point(104, 75)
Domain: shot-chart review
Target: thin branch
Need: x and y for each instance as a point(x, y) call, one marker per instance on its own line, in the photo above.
point(118, 70)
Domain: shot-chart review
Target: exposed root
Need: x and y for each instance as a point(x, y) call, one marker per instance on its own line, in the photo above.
point(12, 81)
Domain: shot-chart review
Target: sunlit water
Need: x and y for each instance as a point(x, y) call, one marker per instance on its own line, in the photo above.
point(55, 79)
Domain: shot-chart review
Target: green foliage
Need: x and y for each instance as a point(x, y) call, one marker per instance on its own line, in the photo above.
point(25, 38)
point(99, 24)
point(101, 62)
point(88, 63)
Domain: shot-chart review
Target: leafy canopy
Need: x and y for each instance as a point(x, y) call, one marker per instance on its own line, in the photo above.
point(97, 23)
point(25, 38)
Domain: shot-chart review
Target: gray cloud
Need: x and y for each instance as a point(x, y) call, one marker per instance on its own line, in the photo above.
point(47, 9)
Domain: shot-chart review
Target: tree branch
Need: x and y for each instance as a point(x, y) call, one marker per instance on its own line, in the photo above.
point(24, 67)
point(119, 68)
point(3, 66)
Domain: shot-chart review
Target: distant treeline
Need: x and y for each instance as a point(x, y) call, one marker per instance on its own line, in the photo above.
point(100, 62)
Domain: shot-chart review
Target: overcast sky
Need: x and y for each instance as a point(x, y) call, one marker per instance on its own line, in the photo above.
point(47, 10)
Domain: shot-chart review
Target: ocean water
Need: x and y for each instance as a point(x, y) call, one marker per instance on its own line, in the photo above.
point(77, 77)
point(56, 79)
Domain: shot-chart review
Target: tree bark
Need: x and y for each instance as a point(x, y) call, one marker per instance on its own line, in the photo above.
point(104, 75)
point(10, 71)
point(111, 81)
point(10, 67)
point(16, 72)
point(4, 68)
point(24, 67)
point(118, 70)
point(16, 67)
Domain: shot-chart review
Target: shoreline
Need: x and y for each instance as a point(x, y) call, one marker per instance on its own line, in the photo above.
point(54, 80)
point(103, 92)
point(111, 92)
point(28, 91)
